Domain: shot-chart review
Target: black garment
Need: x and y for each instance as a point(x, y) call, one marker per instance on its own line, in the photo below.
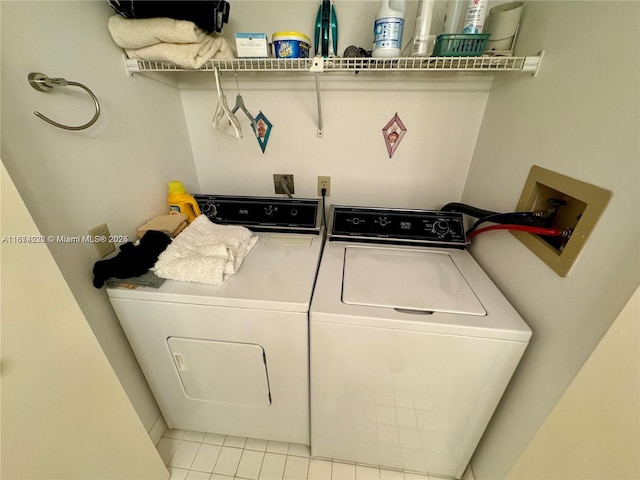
point(210, 15)
point(132, 261)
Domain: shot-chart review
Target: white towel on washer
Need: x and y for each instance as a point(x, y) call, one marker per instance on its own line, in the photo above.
point(205, 252)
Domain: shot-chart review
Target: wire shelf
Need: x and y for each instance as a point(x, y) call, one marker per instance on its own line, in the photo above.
point(318, 65)
point(417, 64)
point(236, 64)
point(338, 64)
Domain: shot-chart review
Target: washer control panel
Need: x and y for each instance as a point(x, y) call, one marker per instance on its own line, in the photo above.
point(432, 227)
point(262, 213)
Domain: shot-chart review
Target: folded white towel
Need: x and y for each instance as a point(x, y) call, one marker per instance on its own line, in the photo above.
point(138, 33)
point(205, 252)
point(185, 55)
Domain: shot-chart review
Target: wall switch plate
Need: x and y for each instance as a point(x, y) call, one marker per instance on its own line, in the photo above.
point(324, 182)
point(579, 206)
point(101, 239)
point(280, 180)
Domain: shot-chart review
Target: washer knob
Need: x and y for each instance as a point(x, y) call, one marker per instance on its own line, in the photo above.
point(383, 222)
point(268, 210)
point(441, 227)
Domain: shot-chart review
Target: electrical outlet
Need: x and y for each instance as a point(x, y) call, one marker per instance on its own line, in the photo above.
point(571, 204)
point(280, 180)
point(324, 182)
point(100, 237)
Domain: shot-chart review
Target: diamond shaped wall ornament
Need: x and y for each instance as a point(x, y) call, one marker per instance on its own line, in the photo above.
point(393, 132)
point(263, 130)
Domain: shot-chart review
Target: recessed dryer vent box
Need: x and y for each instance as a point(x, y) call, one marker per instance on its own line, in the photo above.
point(579, 206)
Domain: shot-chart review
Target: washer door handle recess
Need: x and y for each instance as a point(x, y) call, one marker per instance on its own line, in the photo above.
point(42, 83)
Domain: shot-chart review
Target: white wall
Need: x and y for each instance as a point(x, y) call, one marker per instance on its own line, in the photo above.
point(64, 413)
point(593, 431)
point(114, 172)
point(428, 168)
point(579, 117)
point(442, 114)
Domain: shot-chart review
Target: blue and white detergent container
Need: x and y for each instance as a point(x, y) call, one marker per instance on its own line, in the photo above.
point(388, 28)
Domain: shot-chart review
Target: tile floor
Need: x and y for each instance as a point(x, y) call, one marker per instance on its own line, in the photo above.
point(199, 456)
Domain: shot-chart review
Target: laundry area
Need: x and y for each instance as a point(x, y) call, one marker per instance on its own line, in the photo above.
point(283, 228)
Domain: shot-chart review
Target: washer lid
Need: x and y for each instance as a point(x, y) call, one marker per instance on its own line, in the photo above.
point(407, 279)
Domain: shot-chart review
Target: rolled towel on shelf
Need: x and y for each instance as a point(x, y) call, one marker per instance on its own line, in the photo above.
point(185, 55)
point(205, 252)
point(134, 33)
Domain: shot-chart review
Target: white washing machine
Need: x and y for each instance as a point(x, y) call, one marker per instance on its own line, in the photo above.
point(233, 359)
point(412, 345)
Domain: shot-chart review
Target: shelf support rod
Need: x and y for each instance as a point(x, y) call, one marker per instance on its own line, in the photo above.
point(320, 131)
point(317, 66)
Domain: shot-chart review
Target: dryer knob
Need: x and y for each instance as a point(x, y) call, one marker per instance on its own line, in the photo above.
point(209, 209)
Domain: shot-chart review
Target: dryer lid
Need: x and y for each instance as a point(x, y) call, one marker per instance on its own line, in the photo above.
point(407, 279)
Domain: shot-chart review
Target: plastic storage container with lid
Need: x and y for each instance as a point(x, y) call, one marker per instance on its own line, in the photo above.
point(181, 202)
point(291, 45)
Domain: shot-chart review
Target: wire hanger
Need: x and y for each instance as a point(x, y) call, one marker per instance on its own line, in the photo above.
point(222, 109)
point(42, 83)
point(240, 105)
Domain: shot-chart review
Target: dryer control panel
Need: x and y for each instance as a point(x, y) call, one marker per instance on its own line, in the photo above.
point(262, 213)
point(393, 225)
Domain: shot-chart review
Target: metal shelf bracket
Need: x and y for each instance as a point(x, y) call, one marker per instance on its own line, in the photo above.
point(532, 64)
point(131, 65)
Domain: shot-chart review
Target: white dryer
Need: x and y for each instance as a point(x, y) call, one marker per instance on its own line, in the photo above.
point(412, 345)
point(233, 359)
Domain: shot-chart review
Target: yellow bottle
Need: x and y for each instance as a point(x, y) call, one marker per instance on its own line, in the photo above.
point(181, 202)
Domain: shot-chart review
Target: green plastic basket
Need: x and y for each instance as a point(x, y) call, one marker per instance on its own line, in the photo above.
point(460, 45)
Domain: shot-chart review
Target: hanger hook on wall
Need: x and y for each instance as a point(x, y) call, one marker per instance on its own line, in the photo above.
point(42, 83)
